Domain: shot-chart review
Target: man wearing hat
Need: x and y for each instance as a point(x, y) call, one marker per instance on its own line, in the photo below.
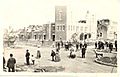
point(27, 57)
point(83, 51)
point(11, 63)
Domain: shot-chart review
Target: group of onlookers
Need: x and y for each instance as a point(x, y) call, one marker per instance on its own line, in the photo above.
point(55, 53)
point(78, 47)
point(106, 45)
point(30, 59)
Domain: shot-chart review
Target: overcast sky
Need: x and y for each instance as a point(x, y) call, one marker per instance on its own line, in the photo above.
point(19, 13)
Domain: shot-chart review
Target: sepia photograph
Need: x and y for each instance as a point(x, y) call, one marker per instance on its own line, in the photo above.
point(64, 36)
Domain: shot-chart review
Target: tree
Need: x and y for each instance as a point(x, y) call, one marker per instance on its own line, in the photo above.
point(74, 37)
point(9, 38)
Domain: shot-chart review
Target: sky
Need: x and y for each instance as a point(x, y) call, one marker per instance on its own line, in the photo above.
point(20, 13)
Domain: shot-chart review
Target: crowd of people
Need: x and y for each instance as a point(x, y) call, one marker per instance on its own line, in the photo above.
point(55, 56)
point(106, 45)
point(78, 46)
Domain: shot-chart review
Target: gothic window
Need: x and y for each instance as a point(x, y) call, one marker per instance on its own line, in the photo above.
point(53, 27)
point(39, 36)
point(100, 34)
point(85, 29)
point(57, 27)
point(77, 28)
point(61, 27)
point(81, 28)
point(44, 37)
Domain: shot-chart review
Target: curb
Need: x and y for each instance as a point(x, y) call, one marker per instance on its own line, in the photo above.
point(103, 63)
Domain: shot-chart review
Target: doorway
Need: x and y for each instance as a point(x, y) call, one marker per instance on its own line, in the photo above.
point(53, 37)
point(35, 37)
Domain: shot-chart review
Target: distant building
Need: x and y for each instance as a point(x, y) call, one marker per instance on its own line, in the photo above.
point(32, 32)
point(60, 23)
point(66, 27)
point(102, 28)
point(106, 29)
point(112, 30)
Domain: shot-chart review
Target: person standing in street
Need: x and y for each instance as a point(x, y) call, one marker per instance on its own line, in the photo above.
point(38, 52)
point(77, 47)
point(85, 45)
point(53, 55)
point(80, 45)
point(57, 57)
point(62, 44)
point(116, 45)
point(83, 51)
point(106, 45)
point(4, 63)
point(95, 45)
point(27, 57)
point(110, 47)
point(58, 45)
point(11, 63)
point(66, 46)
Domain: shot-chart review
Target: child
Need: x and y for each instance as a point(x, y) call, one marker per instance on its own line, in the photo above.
point(33, 59)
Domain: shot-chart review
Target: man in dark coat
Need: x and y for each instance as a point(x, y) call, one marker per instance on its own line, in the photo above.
point(27, 57)
point(85, 45)
point(116, 45)
point(80, 45)
point(77, 47)
point(106, 44)
point(83, 51)
point(11, 63)
point(38, 54)
point(53, 55)
point(57, 57)
point(99, 45)
point(110, 47)
point(61, 42)
point(95, 45)
point(67, 46)
point(58, 45)
point(102, 45)
point(4, 63)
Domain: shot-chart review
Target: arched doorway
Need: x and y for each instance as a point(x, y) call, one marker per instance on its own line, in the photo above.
point(53, 37)
point(35, 37)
